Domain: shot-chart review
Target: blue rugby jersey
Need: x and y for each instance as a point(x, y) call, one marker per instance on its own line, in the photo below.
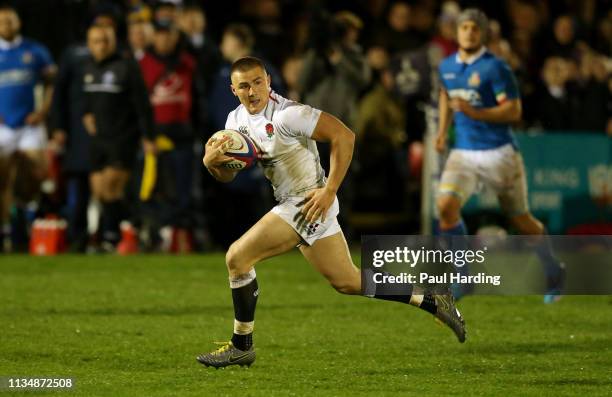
point(485, 81)
point(22, 62)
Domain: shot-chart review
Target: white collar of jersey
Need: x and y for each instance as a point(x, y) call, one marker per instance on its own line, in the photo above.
point(7, 45)
point(473, 58)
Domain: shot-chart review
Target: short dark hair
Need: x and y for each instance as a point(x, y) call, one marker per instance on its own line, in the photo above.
point(247, 63)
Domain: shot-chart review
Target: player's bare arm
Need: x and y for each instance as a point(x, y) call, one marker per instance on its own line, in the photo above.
point(444, 121)
point(215, 158)
point(509, 111)
point(38, 116)
point(89, 122)
point(149, 146)
point(342, 140)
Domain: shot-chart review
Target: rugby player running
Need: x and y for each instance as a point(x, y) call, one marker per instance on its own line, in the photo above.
point(305, 217)
point(481, 91)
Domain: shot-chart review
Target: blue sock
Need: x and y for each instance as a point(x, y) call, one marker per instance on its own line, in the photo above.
point(552, 266)
point(455, 239)
point(458, 230)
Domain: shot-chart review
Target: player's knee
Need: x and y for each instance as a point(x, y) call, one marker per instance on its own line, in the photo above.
point(231, 258)
point(348, 287)
point(97, 194)
point(108, 190)
point(102, 195)
point(33, 168)
point(235, 261)
point(114, 188)
point(527, 224)
point(106, 195)
point(113, 195)
point(98, 189)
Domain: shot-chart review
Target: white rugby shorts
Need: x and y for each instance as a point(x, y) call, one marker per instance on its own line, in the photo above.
point(23, 139)
point(500, 169)
point(289, 211)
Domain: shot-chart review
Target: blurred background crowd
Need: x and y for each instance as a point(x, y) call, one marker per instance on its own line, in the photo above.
point(371, 63)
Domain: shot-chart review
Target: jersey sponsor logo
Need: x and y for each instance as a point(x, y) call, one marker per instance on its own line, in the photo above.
point(243, 129)
point(16, 77)
point(109, 88)
point(448, 75)
point(472, 96)
point(474, 80)
point(107, 85)
point(108, 77)
point(269, 130)
point(170, 90)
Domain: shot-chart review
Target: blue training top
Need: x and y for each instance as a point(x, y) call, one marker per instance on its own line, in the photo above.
point(484, 81)
point(22, 62)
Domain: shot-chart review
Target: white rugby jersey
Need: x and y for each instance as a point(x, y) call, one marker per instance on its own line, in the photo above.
point(282, 133)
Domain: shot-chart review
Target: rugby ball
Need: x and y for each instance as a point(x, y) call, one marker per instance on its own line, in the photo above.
point(239, 147)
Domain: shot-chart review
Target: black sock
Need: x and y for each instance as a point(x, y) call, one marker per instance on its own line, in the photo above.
point(112, 215)
point(429, 303)
point(242, 342)
point(245, 300)
point(400, 292)
point(396, 292)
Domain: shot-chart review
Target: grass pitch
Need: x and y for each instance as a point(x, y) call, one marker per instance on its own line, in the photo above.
point(133, 327)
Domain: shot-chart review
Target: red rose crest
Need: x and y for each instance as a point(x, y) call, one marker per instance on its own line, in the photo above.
point(270, 130)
